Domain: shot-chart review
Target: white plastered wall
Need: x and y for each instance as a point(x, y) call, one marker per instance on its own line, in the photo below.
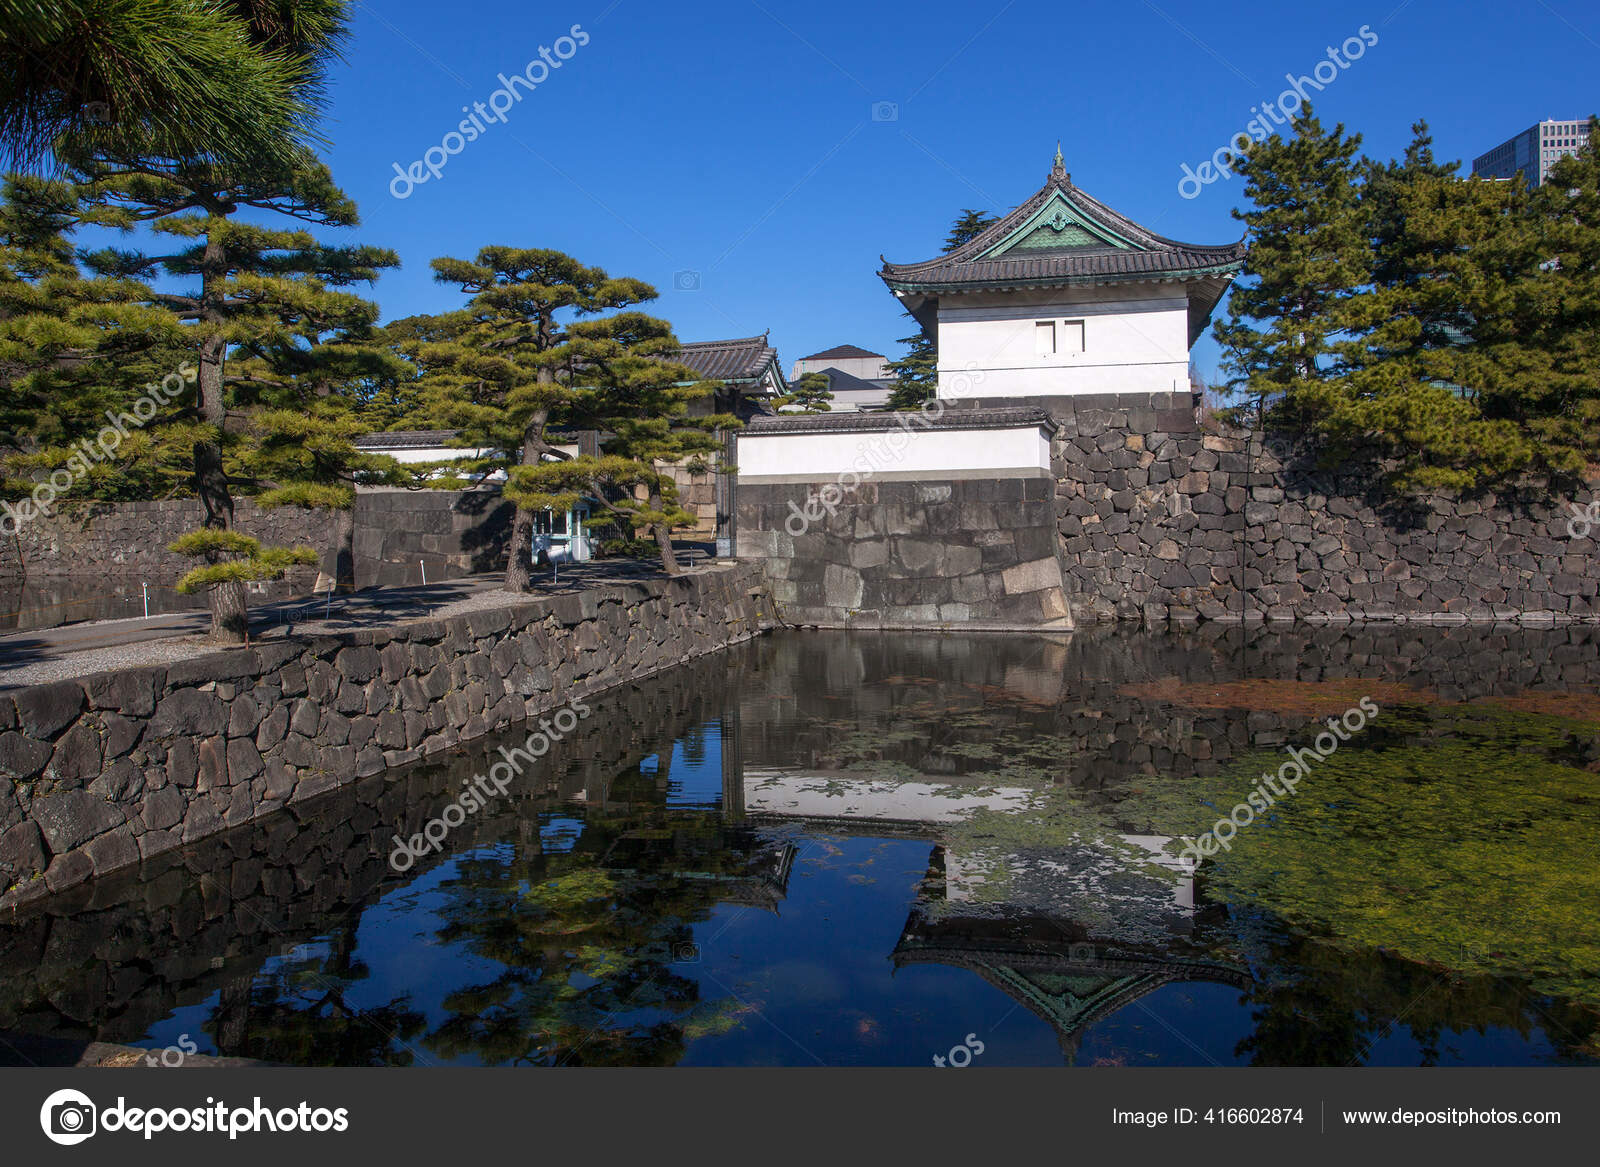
point(1135, 340)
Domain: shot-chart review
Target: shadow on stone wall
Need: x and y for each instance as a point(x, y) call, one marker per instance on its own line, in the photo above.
point(396, 533)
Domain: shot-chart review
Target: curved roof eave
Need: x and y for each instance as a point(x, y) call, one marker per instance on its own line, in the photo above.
point(1227, 271)
point(1092, 208)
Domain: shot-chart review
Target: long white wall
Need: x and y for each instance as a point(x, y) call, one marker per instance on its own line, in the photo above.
point(1136, 343)
point(909, 451)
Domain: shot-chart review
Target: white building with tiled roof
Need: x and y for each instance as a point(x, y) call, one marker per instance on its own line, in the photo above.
point(1063, 297)
point(748, 368)
point(847, 358)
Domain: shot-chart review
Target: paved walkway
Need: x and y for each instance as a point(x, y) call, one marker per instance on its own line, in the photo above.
point(50, 654)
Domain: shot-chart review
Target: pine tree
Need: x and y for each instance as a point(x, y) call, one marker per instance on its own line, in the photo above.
point(265, 294)
point(642, 403)
point(916, 374)
point(969, 225)
point(810, 394)
point(1459, 350)
point(307, 381)
point(396, 398)
point(1288, 329)
point(75, 352)
point(508, 370)
point(232, 560)
point(235, 82)
point(1444, 251)
point(1553, 391)
point(1398, 258)
point(622, 383)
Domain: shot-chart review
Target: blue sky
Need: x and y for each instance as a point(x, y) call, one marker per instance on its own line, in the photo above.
point(737, 140)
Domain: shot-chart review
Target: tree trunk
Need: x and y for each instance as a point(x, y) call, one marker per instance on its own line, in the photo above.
point(344, 550)
point(230, 621)
point(519, 558)
point(663, 535)
point(230, 616)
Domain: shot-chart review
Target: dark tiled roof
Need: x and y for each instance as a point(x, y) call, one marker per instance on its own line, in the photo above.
point(1151, 256)
point(950, 419)
point(406, 439)
point(729, 360)
point(427, 439)
point(842, 352)
point(1085, 265)
point(842, 382)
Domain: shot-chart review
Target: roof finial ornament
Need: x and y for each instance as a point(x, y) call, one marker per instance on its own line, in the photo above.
point(1058, 170)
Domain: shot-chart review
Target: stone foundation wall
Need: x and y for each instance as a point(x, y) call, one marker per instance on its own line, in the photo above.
point(697, 494)
point(130, 538)
point(100, 773)
point(454, 533)
point(1162, 517)
point(960, 553)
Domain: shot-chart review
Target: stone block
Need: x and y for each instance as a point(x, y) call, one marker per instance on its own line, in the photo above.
point(73, 817)
point(129, 691)
point(68, 870)
point(1033, 576)
point(22, 758)
point(842, 587)
point(112, 850)
point(45, 710)
point(188, 713)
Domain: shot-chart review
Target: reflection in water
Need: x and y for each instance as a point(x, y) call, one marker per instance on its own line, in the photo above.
point(853, 849)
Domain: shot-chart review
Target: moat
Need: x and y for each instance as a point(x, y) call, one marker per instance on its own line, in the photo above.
point(883, 849)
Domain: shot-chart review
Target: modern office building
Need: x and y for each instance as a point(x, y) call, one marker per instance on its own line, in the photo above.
point(1534, 151)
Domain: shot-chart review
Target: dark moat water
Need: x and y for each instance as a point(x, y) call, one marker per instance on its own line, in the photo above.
point(850, 849)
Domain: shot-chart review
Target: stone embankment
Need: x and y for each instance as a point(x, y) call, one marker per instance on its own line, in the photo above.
point(99, 773)
point(1161, 517)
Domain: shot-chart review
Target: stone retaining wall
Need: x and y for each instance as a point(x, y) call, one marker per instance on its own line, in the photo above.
point(962, 553)
point(1162, 517)
point(454, 533)
point(99, 773)
point(1157, 515)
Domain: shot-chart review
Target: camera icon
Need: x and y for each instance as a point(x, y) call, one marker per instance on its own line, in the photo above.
point(68, 1117)
point(885, 111)
point(686, 281)
point(686, 952)
point(1080, 954)
point(97, 112)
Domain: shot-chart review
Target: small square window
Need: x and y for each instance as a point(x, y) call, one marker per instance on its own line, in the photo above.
point(1072, 336)
point(1044, 338)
